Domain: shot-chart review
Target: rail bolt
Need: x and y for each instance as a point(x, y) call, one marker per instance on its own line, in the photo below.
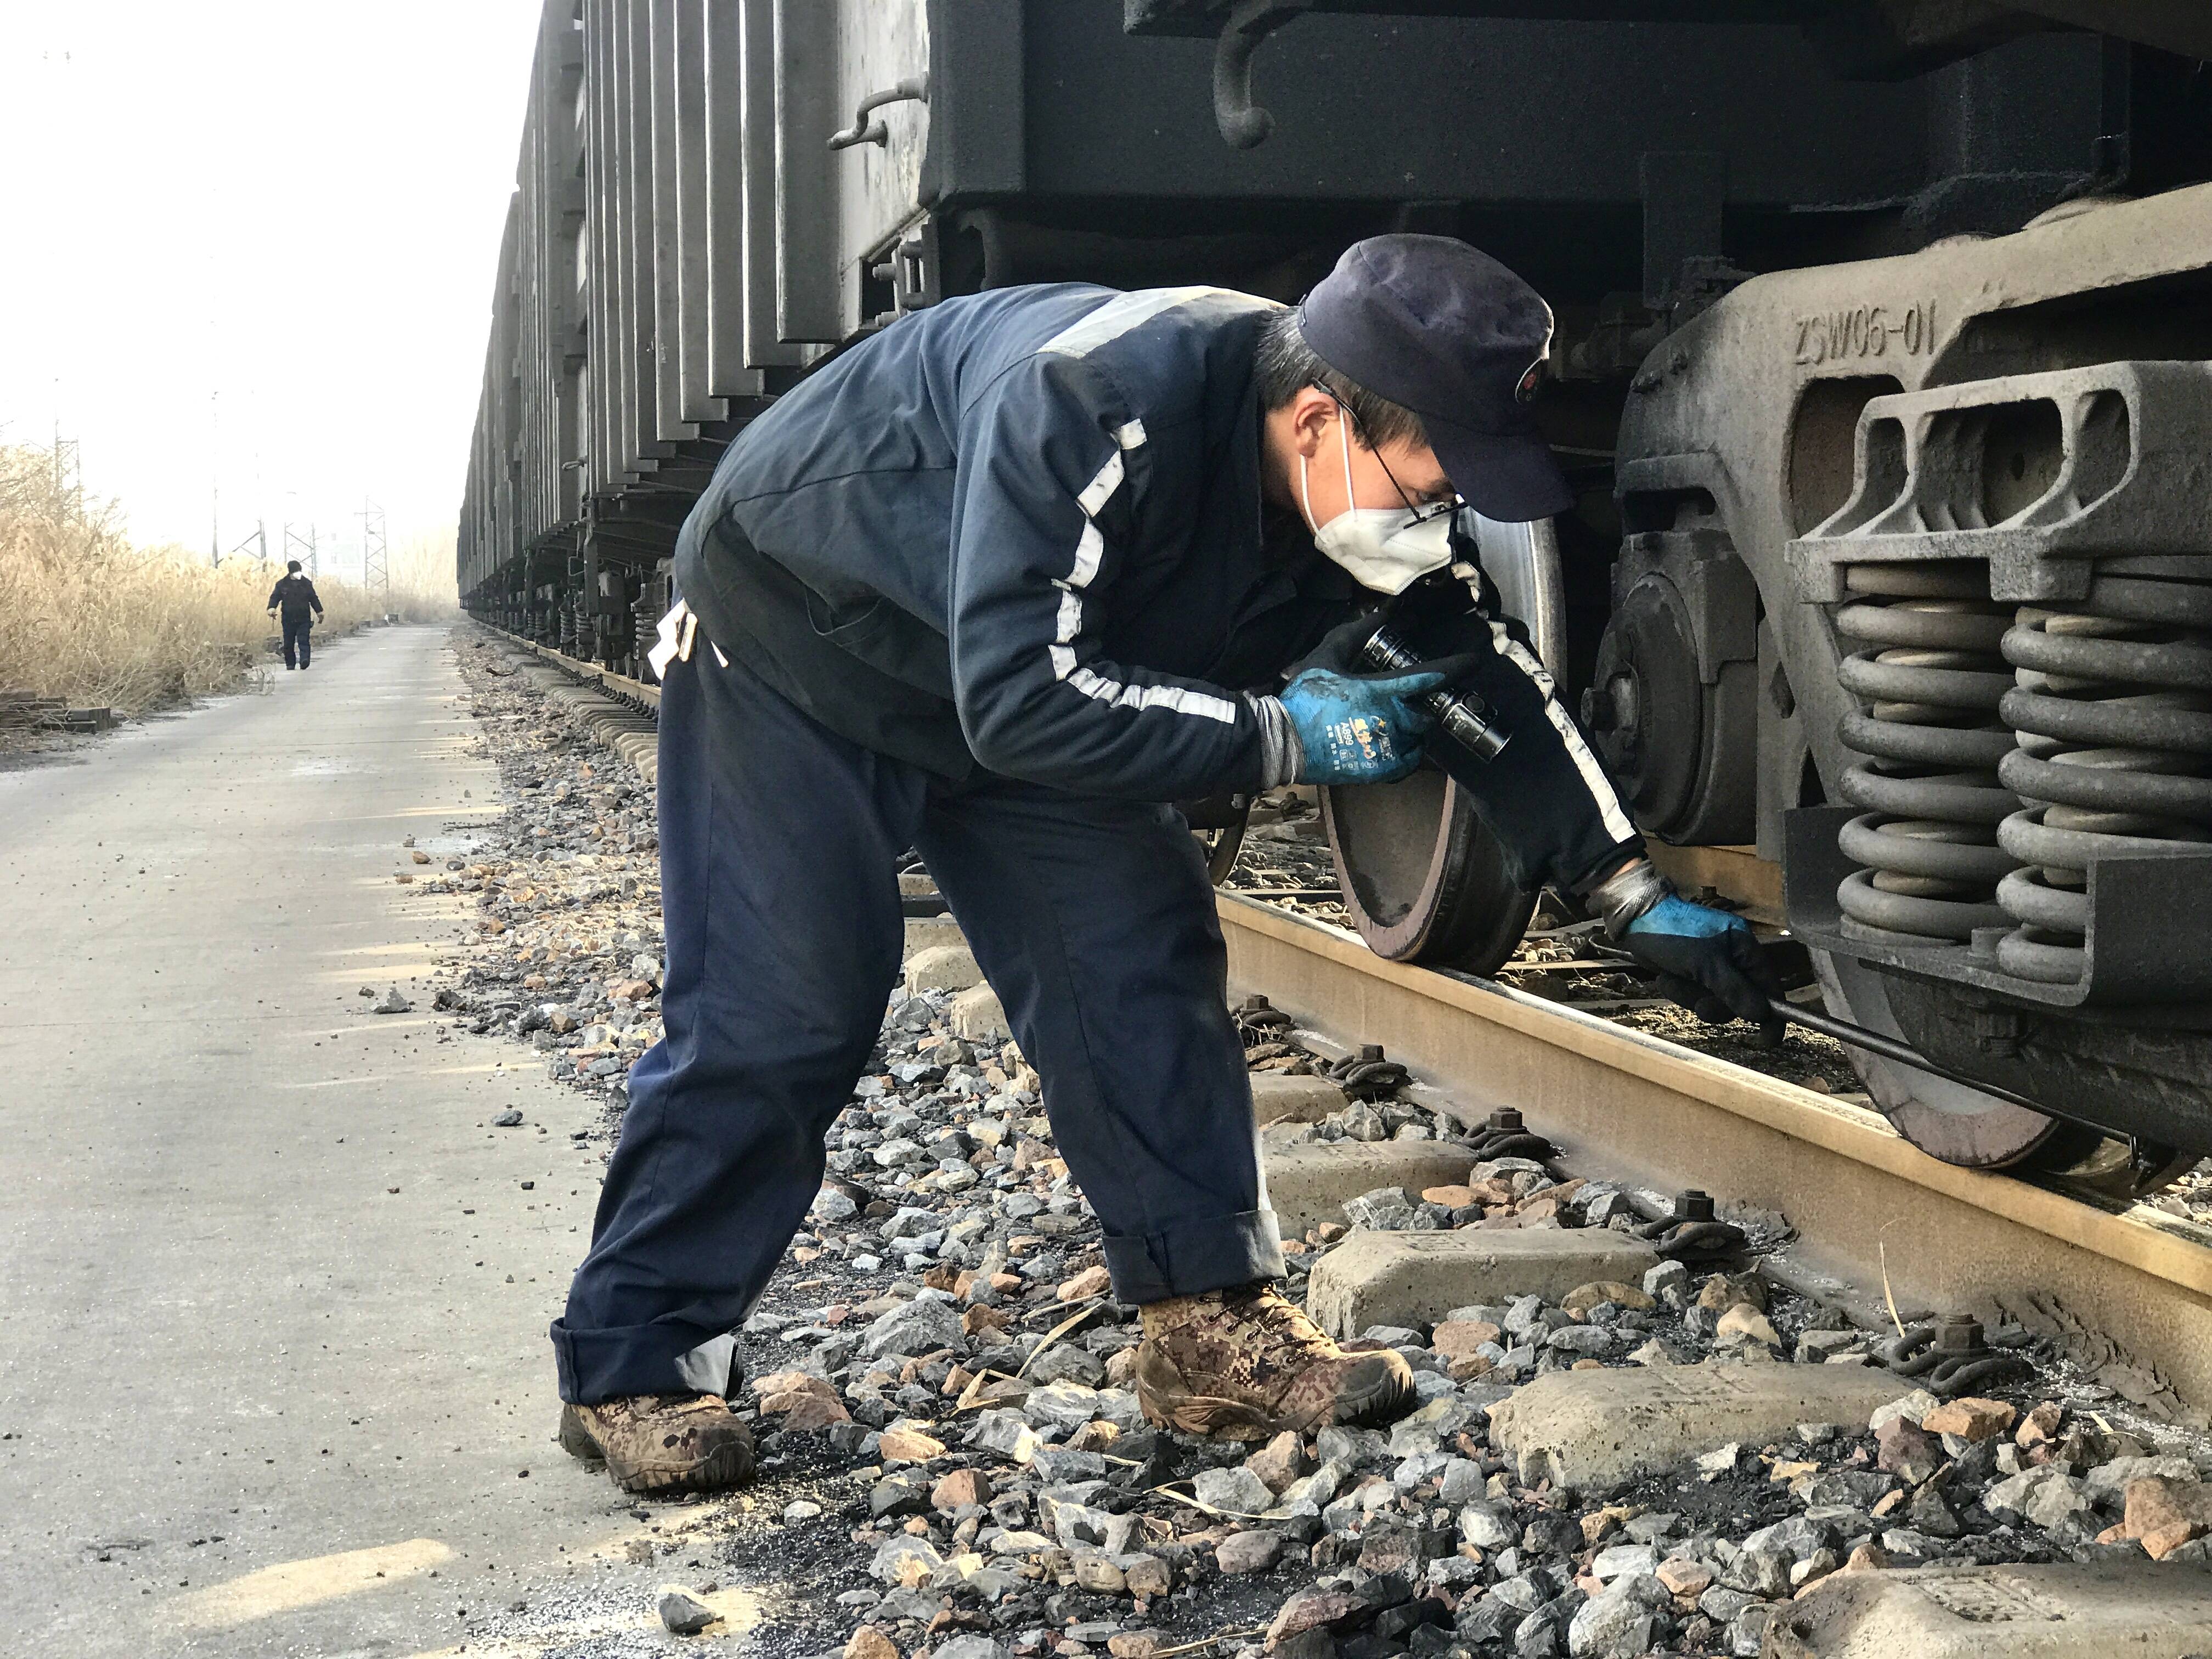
point(1958, 1334)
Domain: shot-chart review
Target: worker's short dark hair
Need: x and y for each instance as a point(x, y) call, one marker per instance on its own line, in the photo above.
point(294, 567)
point(1285, 365)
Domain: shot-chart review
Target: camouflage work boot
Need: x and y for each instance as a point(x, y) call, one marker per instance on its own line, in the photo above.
point(662, 1443)
point(1247, 1363)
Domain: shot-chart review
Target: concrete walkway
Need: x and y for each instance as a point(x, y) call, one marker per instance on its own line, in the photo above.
point(273, 1292)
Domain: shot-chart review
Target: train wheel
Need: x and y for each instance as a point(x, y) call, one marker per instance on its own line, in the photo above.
point(1423, 879)
point(1962, 1125)
point(1218, 823)
point(1222, 848)
point(1948, 1120)
point(2115, 1169)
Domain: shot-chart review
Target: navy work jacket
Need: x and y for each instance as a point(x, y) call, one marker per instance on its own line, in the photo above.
point(294, 596)
point(1022, 530)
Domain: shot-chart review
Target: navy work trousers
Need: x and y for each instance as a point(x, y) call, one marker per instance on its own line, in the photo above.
point(296, 630)
point(1093, 920)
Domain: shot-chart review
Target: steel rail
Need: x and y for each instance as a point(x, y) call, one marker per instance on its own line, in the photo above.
point(1870, 1210)
point(619, 686)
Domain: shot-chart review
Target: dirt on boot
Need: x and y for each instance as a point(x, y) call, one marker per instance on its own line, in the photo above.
point(1247, 1363)
point(662, 1443)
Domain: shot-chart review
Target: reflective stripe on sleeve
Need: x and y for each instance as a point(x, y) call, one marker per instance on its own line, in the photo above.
point(1616, 821)
point(1100, 490)
point(1090, 548)
point(674, 640)
point(1090, 545)
point(1118, 316)
point(1179, 698)
point(1071, 624)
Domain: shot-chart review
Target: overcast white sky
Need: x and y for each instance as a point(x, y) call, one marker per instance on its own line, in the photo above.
point(295, 204)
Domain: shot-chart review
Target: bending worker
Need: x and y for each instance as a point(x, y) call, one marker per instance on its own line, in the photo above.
point(999, 583)
point(294, 597)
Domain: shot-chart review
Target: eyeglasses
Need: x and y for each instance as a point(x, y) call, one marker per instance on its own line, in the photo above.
point(1423, 511)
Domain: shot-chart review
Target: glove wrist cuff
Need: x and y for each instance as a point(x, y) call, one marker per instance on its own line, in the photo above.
point(1623, 897)
point(1282, 757)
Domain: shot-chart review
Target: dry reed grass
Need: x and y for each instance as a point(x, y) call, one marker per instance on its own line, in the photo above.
point(86, 616)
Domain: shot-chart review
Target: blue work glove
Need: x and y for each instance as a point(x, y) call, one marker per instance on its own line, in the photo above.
point(1707, 960)
point(1357, 729)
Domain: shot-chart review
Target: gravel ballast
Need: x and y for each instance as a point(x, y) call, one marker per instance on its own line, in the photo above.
point(953, 1459)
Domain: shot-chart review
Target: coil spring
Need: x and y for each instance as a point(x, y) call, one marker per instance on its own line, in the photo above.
point(2113, 713)
point(1692, 1232)
point(1506, 1133)
point(1367, 1075)
point(1951, 1357)
point(649, 607)
point(1933, 680)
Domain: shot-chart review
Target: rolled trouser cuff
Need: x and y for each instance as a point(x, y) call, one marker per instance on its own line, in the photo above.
point(618, 1364)
point(1216, 1255)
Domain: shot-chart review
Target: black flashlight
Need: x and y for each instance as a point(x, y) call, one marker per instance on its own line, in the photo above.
point(1458, 714)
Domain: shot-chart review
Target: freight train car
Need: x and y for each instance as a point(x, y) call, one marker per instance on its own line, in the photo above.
point(1882, 379)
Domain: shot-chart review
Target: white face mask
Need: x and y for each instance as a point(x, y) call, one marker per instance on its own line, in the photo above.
point(1385, 548)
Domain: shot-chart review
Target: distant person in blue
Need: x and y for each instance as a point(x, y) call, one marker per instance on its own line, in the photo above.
point(294, 599)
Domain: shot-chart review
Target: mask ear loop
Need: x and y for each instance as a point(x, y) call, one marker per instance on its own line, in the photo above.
point(1344, 440)
point(1305, 494)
